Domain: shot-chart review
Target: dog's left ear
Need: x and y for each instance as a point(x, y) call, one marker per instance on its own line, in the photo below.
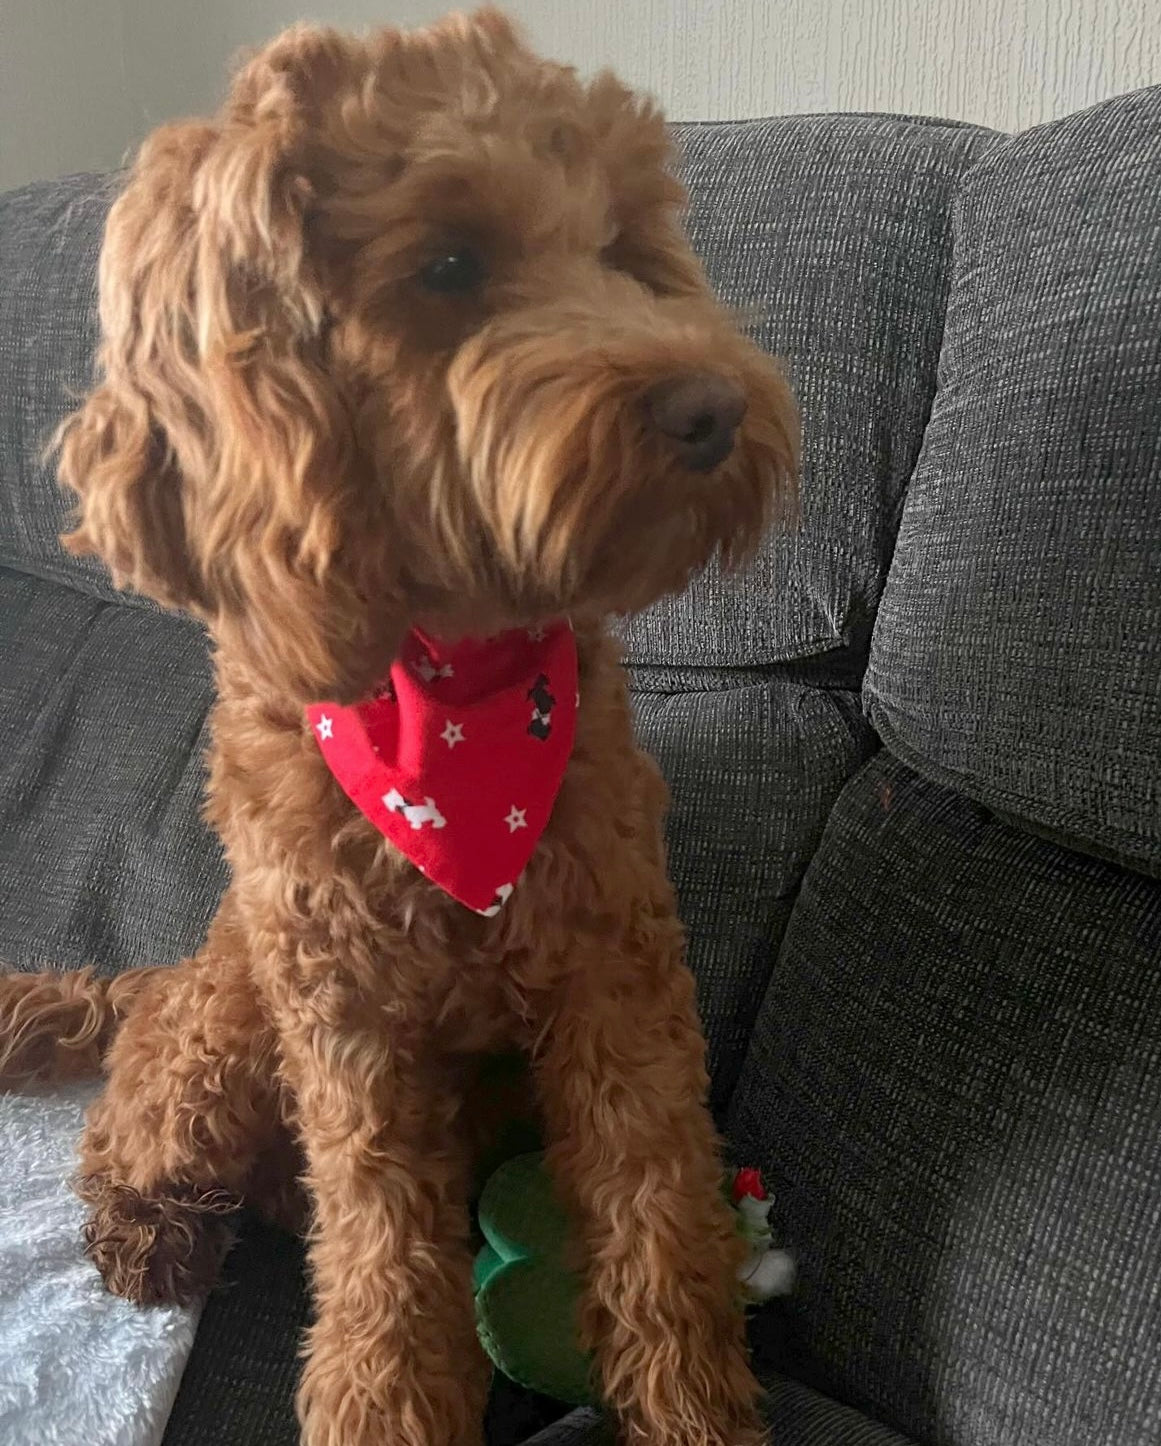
point(282, 490)
point(216, 370)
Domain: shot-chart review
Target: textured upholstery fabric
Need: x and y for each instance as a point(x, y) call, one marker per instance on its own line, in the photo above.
point(1018, 649)
point(797, 1415)
point(753, 772)
point(832, 234)
point(241, 1376)
point(50, 234)
point(103, 857)
point(955, 1086)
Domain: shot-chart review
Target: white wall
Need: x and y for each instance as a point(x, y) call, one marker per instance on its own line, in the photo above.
point(81, 80)
point(64, 102)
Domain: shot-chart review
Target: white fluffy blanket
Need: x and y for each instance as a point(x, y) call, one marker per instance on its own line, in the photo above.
point(78, 1367)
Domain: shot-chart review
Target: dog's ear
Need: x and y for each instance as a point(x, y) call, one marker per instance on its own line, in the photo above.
point(214, 461)
point(116, 452)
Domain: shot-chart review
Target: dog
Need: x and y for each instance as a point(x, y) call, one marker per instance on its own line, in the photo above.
point(406, 347)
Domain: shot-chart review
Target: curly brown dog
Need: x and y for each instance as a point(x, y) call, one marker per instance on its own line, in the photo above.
point(408, 338)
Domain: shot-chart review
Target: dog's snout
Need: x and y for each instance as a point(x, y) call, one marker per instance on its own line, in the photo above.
point(698, 414)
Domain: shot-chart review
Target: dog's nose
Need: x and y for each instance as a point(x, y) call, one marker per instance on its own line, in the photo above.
point(699, 414)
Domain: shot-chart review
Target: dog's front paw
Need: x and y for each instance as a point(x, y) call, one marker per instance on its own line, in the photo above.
point(164, 1247)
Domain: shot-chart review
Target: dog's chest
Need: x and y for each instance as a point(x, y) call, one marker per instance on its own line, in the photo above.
point(473, 999)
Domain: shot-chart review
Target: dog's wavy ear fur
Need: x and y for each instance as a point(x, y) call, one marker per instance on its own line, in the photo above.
point(212, 458)
point(120, 451)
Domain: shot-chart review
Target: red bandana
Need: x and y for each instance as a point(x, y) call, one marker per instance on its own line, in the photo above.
point(458, 758)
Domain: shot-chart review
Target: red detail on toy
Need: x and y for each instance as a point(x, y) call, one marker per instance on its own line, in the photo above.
point(748, 1184)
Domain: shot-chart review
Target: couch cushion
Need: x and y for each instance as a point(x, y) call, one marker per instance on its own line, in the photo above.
point(239, 1383)
point(753, 772)
point(797, 1416)
point(955, 1086)
point(50, 235)
point(832, 234)
point(1018, 648)
point(103, 856)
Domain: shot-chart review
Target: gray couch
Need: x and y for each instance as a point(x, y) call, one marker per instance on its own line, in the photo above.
point(915, 758)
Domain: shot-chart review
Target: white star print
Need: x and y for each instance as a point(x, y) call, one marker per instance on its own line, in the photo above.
point(326, 727)
point(516, 819)
point(453, 733)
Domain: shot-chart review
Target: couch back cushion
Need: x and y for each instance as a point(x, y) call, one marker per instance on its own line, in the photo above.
point(1018, 647)
point(104, 858)
point(50, 237)
point(831, 234)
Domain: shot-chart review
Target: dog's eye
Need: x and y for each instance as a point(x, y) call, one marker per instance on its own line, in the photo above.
point(454, 274)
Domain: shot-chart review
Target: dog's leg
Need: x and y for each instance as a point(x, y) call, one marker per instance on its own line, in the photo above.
point(188, 1110)
point(622, 1079)
point(393, 1355)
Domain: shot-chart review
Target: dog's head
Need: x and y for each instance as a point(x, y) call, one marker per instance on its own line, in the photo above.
point(410, 333)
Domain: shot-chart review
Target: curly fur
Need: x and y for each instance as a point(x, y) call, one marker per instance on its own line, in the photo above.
point(58, 1026)
point(296, 441)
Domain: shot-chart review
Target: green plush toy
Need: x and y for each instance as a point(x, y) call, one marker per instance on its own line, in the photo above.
point(527, 1296)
